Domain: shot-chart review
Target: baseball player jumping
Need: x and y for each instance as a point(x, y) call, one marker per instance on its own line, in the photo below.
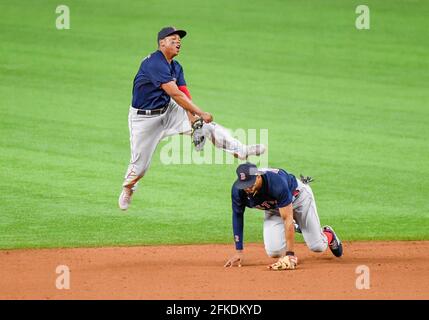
point(162, 106)
point(289, 206)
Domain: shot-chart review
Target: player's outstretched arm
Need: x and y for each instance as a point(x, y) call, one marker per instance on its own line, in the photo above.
point(287, 215)
point(238, 227)
point(289, 261)
point(186, 103)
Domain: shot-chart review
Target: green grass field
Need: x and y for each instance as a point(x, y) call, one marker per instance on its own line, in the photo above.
point(349, 107)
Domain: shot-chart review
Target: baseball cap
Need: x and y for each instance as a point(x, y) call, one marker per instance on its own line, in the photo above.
point(246, 175)
point(168, 31)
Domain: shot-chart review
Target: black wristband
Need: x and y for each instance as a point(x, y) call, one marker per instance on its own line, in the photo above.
point(290, 253)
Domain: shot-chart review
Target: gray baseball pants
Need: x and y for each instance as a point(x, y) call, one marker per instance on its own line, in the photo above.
point(305, 215)
point(146, 131)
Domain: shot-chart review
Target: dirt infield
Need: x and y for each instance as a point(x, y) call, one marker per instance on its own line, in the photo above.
point(398, 270)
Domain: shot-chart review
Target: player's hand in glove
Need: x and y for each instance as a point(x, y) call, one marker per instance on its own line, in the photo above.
point(237, 258)
point(198, 138)
point(285, 263)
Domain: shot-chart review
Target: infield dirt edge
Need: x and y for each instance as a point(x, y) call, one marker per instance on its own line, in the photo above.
point(397, 270)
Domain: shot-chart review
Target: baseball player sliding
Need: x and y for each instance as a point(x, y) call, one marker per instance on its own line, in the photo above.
point(285, 199)
point(162, 106)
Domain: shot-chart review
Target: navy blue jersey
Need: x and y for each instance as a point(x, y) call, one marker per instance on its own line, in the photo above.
point(276, 192)
point(154, 71)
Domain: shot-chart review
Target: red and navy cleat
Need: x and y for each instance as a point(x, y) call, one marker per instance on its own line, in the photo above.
point(335, 245)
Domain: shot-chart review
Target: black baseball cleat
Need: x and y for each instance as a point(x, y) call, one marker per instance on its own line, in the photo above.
point(336, 246)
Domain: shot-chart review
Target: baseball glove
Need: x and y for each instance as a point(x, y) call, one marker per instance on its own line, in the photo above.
point(198, 138)
point(285, 263)
point(306, 180)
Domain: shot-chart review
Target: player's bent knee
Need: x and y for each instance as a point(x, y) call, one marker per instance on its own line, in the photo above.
point(318, 247)
point(275, 253)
